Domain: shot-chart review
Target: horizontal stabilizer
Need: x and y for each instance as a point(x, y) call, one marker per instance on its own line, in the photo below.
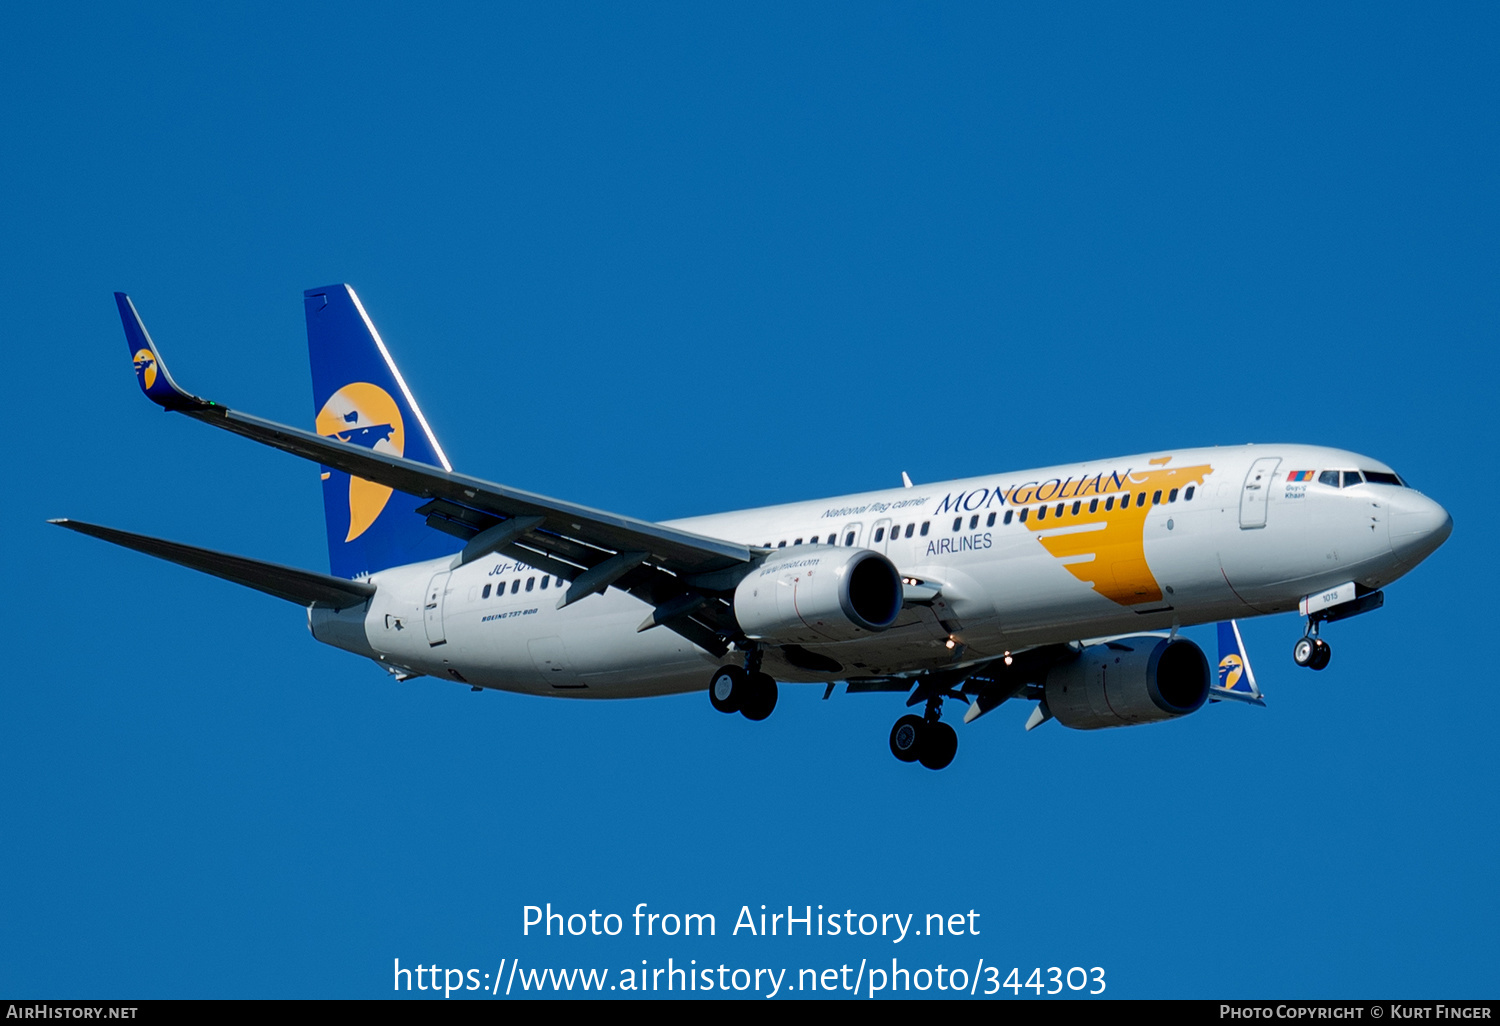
point(300, 586)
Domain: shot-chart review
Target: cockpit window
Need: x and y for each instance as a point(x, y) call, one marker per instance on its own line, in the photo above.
point(1352, 478)
point(1381, 477)
point(1329, 477)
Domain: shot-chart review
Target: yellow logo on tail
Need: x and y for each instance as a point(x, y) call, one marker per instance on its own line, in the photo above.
point(365, 415)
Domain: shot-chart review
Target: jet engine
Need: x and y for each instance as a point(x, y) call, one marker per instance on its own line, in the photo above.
point(1127, 681)
point(817, 594)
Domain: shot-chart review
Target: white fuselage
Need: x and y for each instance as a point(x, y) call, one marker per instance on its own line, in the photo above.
point(1222, 533)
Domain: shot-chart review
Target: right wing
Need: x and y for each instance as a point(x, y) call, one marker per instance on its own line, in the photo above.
point(592, 548)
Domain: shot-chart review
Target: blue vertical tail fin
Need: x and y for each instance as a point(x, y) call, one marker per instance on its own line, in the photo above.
point(1236, 679)
point(360, 397)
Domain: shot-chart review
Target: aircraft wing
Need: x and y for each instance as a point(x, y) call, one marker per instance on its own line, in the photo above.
point(594, 549)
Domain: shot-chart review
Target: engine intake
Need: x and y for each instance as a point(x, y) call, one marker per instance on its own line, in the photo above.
point(1128, 681)
point(817, 594)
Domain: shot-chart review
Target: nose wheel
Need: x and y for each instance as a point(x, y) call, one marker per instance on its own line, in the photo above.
point(1312, 652)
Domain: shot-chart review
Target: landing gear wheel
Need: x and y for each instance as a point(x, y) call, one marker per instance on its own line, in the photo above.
point(1321, 654)
point(906, 738)
point(1304, 651)
point(939, 746)
point(726, 688)
point(760, 697)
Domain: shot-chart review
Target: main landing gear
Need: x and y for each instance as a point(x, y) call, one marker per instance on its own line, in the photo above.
point(925, 739)
point(746, 691)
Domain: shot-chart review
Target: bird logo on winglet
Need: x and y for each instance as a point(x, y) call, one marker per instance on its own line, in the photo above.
point(145, 368)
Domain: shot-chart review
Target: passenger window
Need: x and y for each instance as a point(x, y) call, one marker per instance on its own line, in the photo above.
point(974, 521)
point(515, 586)
point(832, 538)
point(1352, 478)
point(798, 541)
point(530, 583)
point(1329, 477)
point(486, 592)
point(781, 544)
point(1093, 505)
point(1140, 500)
point(924, 527)
point(1172, 495)
point(1041, 512)
point(1008, 514)
point(958, 522)
point(990, 521)
point(1022, 517)
point(879, 534)
point(909, 529)
point(1076, 506)
point(544, 584)
point(1109, 504)
point(1058, 512)
point(849, 538)
point(1156, 498)
point(1187, 496)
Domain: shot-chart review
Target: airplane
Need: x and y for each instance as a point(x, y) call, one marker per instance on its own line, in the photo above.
point(1066, 586)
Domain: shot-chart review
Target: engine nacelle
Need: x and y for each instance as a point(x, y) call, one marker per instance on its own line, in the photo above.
point(817, 594)
point(1128, 681)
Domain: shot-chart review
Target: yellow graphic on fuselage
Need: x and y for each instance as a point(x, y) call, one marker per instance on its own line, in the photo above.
point(1231, 669)
point(365, 415)
point(1107, 548)
point(145, 366)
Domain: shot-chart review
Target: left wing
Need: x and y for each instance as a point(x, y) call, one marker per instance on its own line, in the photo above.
point(592, 548)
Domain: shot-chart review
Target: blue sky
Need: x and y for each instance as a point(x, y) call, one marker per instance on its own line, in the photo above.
point(675, 259)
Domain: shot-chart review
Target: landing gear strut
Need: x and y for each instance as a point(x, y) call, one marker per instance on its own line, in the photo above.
point(925, 739)
point(1311, 651)
point(746, 691)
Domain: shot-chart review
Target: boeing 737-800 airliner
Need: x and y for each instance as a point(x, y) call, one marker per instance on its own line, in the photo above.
point(1064, 585)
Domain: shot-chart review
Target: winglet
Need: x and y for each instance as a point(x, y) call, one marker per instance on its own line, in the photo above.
point(150, 370)
point(1236, 678)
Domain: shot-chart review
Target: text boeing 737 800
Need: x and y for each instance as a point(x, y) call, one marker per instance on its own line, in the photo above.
point(1040, 584)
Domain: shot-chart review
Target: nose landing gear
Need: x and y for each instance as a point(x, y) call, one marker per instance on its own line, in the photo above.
point(1311, 651)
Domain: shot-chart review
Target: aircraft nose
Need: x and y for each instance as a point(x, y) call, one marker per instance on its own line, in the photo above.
point(1418, 527)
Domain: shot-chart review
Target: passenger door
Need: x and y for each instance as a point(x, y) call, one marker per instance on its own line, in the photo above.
point(1257, 491)
point(432, 610)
